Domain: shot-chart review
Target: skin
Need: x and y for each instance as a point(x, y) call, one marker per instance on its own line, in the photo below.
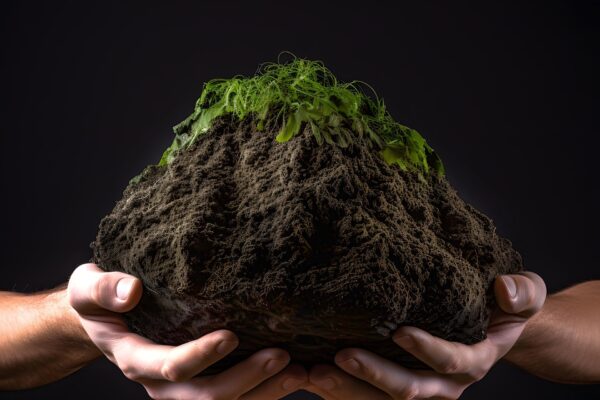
point(69, 328)
point(88, 312)
point(557, 341)
point(168, 372)
point(37, 330)
point(561, 343)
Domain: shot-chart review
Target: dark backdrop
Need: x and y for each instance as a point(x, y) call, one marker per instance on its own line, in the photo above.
point(507, 93)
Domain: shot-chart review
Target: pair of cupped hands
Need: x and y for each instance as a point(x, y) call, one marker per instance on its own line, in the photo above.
point(168, 372)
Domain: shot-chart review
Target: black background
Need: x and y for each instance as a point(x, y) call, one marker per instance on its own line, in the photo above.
point(506, 92)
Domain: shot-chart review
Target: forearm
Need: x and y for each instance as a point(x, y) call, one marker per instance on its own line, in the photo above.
point(562, 342)
point(41, 339)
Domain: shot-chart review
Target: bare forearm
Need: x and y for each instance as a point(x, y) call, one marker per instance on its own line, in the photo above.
point(41, 339)
point(562, 342)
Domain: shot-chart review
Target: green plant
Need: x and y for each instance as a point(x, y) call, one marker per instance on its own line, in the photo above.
point(305, 94)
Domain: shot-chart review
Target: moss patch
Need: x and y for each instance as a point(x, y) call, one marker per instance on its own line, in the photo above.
point(304, 94)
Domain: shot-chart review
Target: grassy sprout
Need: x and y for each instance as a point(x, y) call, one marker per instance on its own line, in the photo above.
point(304, 94)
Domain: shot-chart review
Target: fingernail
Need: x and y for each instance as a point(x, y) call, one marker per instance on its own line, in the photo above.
point(226, 346)
point(405, 341)
point(351, 364)
point(291, 383)
point(327, 383)
point(511, 286)
point(124, 288)
point(273, 366)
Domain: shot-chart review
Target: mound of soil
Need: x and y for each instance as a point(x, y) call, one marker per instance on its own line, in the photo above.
point(306, 247)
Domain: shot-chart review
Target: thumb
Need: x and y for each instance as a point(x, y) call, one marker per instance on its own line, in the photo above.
point(522, 294)
point(92, 291)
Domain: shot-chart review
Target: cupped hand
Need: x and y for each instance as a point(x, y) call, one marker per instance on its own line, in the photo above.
point(169, 372)
point(455, 366)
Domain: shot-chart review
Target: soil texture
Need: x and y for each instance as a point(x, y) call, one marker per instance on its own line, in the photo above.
point(308, 247)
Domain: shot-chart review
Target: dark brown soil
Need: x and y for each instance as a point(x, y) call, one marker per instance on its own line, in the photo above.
point(310, 248)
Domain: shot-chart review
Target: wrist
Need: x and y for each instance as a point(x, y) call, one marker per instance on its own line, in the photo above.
point(530, 339)
point(39, 330)
point(67, 322)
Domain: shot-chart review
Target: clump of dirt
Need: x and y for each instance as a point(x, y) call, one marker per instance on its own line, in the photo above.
point(308, 247)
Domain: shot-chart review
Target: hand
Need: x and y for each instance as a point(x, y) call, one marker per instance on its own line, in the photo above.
point(364, 375)
point(167, 372)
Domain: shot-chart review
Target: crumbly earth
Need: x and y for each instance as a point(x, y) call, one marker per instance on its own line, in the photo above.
point(306, 247)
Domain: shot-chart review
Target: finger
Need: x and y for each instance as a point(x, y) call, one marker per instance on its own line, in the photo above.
point(192, 389)
point(246, 375)
point(185, 361)
point(290, 379)
point(205, 387)
point(521, 294)
point(519, 297)
point(312, 388)
point(443, 356)
point(92, 291)
point(395, 380)
point(140, 358)
point(337, 384)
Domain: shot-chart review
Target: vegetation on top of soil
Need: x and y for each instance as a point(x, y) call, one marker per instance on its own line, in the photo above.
point(304, 94)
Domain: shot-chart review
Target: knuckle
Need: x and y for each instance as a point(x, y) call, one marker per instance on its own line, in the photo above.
point(477, 374)
point(153, 394)
point(456, 393)
point(214, 396)
point(171, 372)
point(150, 393)
point(373, 373)
point(408, 392)
point(130, 372)
point(451, 365)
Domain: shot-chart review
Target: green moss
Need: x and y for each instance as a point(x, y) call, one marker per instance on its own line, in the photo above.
point(304, 94)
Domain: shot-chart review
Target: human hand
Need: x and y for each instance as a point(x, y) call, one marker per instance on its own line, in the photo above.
point(168, 372)
point(365, 375)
